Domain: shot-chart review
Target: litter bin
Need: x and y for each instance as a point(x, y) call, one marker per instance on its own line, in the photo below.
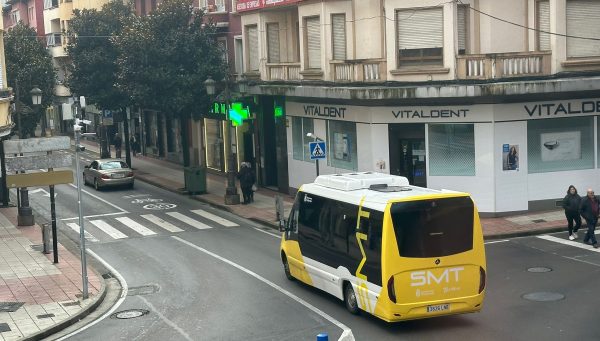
point(195, 179)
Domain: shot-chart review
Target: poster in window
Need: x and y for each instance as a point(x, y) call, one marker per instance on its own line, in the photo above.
point(562, 146)
point(341, 146)
point(510, 157)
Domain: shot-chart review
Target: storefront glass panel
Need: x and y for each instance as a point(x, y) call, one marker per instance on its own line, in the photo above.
point(560, 144)
point(300, 127)
point(451, 150)
point(341, 151)
point(214, 144)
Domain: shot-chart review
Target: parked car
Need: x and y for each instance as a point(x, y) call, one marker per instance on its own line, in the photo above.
point(108, 172)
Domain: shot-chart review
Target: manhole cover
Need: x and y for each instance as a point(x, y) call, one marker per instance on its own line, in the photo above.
point(129, 314)
point(539, 269)
point(544, 296)
point(10, 307)
point(143, 290)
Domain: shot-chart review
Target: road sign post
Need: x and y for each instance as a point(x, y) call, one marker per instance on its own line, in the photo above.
point(318, 151)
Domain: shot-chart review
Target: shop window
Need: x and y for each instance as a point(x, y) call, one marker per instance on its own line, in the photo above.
point(560, 144)
point(341, 137)
point(451, 150)
point(543, 25)
point(420, 34)
point(583, 17)
point(214, 143)
point(300, 127)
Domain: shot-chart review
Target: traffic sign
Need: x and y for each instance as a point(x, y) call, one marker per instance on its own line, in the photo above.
point(318, 150)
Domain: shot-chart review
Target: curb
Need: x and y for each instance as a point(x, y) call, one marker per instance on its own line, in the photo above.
point(75, 318)
point(525, 233)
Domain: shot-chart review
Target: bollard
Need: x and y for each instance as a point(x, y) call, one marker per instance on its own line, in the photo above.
point(323, 337)
point(46, 238)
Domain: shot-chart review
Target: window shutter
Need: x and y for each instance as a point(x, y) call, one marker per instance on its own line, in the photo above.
point(338, 31)
point(543, 17)
point(420, 29)
point(462, 24)
point(583, 20)
point(252, 47)
point(313, 42)
point(273, 43)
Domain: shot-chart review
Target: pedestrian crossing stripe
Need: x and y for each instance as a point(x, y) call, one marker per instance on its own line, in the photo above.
point(215, 218)
point(162, 223)
point(88, 236)
point(109, 230)
point(139, 228)
point(192, 222)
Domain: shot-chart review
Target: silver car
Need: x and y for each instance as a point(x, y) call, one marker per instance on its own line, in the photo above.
point(108, 172)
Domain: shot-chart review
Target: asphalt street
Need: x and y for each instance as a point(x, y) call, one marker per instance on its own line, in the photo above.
point(204, 274)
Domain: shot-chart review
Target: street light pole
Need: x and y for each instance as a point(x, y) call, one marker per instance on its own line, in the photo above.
point(77, 132)
point(316, 139)
point(25, 213)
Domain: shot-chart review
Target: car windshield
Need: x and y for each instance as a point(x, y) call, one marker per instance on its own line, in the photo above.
point(113, 165)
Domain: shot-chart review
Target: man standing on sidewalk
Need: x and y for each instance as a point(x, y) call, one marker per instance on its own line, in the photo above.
point(118, 142)
point(589, 211)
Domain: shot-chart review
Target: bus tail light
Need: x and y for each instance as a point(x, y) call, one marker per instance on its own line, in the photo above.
point(481, 279)
point(391, 289)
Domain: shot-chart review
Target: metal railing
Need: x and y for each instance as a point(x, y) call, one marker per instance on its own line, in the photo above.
point(503, 65)
point(283, 72)
point(366, 70)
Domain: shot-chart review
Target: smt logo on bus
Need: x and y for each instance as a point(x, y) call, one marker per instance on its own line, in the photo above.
point(421, 278)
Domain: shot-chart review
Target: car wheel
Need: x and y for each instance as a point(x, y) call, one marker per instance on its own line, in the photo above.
point(350, 299)
point(286, 268)
point(96, 186)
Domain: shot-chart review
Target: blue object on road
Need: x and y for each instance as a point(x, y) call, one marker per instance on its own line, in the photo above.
point(323, 337)
point(318, 150)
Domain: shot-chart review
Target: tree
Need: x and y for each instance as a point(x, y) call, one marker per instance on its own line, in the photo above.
point(165, 59)
point(28, 65)
point(94, 69)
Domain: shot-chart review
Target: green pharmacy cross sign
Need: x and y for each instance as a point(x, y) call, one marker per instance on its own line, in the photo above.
point(236, 112)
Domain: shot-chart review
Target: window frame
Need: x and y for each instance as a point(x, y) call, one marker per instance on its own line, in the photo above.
point(305, 139)
point(307, 64)
point(538, 26)
point(333, 40)
point(268, 40)
point(247, 47)
point(399, 59)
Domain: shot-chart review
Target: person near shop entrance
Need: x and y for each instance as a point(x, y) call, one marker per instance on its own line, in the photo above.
point(589, 211)
point(117, 141)
point(571, 203)
point(134, 145)
point(247, 179)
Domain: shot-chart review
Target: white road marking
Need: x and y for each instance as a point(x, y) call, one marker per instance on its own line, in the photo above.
point(111, 231)
point(88, 236)
point(568, 242)
point(124, 290)
point(97, 197)
point(166, 320)
point(346, 334)
point(215, 218)
point(97, 215)
point(266, 232)
point(139, 228)
point(497, 241)
point(162, 223)
point(193, 222)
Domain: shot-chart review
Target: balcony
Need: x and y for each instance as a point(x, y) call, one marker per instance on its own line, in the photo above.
point(504, 65)
point(361, 70)
point(54, 44)
point(283, 72)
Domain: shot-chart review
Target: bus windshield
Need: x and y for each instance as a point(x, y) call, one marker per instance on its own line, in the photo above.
point(433, 228)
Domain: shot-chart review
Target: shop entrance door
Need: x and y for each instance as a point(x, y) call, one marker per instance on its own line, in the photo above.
point(407, 152)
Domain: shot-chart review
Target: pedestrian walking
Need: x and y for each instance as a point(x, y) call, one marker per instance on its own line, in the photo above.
point(133, 144)
point(589, 210)
point(117, 141)
point(247, 179)
point(571, 203)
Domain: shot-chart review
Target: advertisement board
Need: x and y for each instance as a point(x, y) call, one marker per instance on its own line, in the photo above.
point(249, 5)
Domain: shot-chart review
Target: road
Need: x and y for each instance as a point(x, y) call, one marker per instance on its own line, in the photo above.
point(210, 275)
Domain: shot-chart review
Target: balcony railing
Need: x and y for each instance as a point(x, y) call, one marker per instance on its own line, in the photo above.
point(283, 72)
point(503, 65)
point(53, 39)
point(364, 70)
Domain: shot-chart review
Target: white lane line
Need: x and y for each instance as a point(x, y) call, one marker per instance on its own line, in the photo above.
point(162, 223)
point(269, 233)
point(215, 218)
point(346, 334)
point(497, 241)
point(109, 230)
point(568, 242)
point(96, 215)
point(137, 227)
point(97, 197)
point(122, 297)
point(88, 236)
point(166, 320)
point(193, 222)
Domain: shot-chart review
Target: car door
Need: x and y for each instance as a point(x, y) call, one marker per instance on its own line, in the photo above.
point(91, 174)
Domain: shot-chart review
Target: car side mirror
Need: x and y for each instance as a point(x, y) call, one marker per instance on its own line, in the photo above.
point(282, 225)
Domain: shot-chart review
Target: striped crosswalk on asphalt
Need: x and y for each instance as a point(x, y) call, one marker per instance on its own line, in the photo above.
point(215, 218)
point(88, 236)
point(192, 222)
point(109, 230)
point(162, 223)
point(139, 228)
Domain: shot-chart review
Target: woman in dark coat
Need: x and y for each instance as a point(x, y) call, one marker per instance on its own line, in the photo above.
point(247, 179)
point(571, 204)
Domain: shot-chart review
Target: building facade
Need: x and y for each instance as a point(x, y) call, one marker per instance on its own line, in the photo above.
point(6, 123)
point(30, 12)
point(445, 94)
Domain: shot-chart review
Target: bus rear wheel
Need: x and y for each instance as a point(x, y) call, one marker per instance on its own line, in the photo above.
point(350, 299)
point(286, 267)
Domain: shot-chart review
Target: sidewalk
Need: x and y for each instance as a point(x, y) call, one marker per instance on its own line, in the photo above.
point(169, 176)
point(37, 297)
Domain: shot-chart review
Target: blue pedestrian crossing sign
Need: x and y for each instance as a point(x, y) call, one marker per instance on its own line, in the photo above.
point(318, 150)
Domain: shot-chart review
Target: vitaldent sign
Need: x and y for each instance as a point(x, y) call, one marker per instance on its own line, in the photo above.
point(432, 113)
point(562, 108)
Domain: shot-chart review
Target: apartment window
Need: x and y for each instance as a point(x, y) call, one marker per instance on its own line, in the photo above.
point(273, 43)
point(15, 17)
point(222, 44)
point(220, 5)
point(239, 55)
point(543, 25)
point(143, 7)
point(342, 151)
point(583, 17)
point(463, 28)
point(252, 41)
point(338, 36)
point(420, 34)
point(451, 149)
point(300, 127)
point(203, 4)
point(313, 42)
point(30, 15)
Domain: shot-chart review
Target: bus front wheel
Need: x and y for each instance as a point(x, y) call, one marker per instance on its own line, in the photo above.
point(286, 267)
point(350, 299)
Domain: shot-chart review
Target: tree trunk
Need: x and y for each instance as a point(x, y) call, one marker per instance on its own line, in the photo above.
point(127, 144)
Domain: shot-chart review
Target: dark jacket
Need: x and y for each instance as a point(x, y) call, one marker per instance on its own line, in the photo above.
point(586, 210)
point(117, 141)
point(247, 177)
point(571, 203)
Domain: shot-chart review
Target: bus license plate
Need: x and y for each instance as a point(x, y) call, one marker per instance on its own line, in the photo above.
point(437, 308)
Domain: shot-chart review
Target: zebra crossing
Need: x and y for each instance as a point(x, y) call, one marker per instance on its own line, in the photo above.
point(117, 228)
